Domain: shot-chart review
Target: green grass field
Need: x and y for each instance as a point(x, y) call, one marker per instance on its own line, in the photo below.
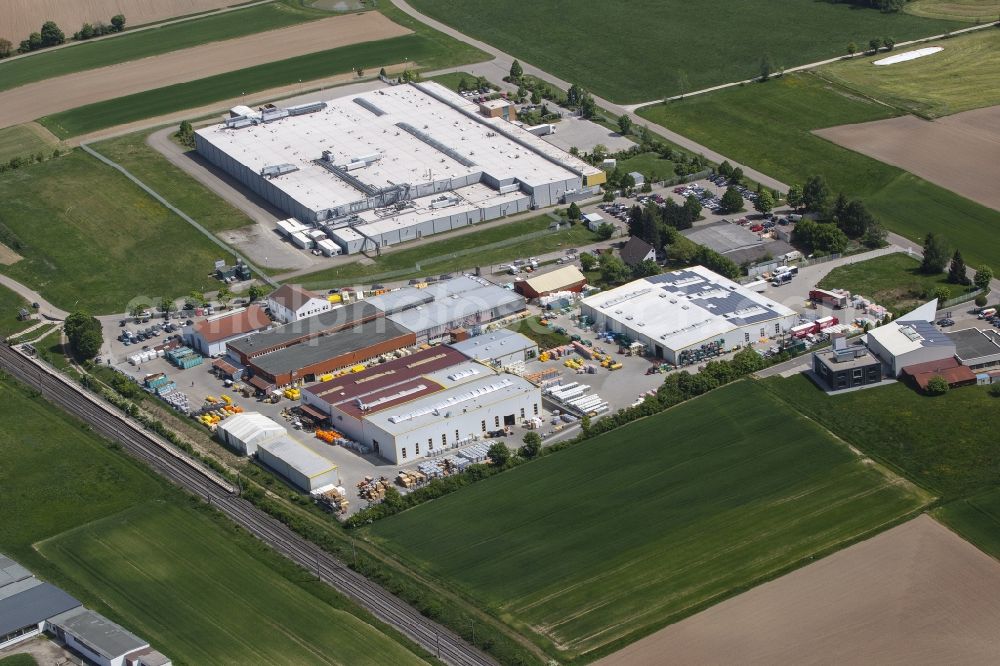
point(641, 50)
point(180, 189)
point(127, 545)
point(434, 257)
point(650, 165)
point(18, 660)
point(452, 79)
point(135, 45)
point(425, 48)
point(768, 126)
point(191, 587)
point(621, 534)
point(10, 303)
point(24, 141)
point(976, 518)
point(893, 280)
point(961, 77)
point(973, 11)
point(93, 240)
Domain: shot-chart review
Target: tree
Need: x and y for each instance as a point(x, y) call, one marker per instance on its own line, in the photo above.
point(732, 200)
point(585, 424)
point(816, 194)
point(499, 454)
point(600, 151)
point(185, 134)
point(693, 207)
point(118, 23)
point(627, 181)
point(889, 43)
point(736, 177)
point(224, 296)
point(852, 48)
point(532, 445)
point(984, 274)
point(613, 269)
point(646, 268)
point(764, 202)
point(196, 298)
point(604, 231)
point(256, 292)
point(957, 273)
point(935, 254)
point(86, 32)
point(588, 261)
point(84, 335)
point(766, 67)
point(51, 34)
point(855, 220)
point(536, 97)
point(874, 45)
point(942, 294)
point(624, 125)
point(839, 206)
point(574, 211)
point(794, 196)
point(937, 385)
point(516, 72)
point(32, 43)
point(588, 107)
point(573, 95)
point(875, 236)
point(521, 94)
point(6, 48)
point(981, 300)
point(726, 169)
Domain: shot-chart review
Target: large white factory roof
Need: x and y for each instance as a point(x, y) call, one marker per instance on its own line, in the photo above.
point(299, 457)
point(465, 397)
point(401, 134)
point(685, 307)
point(493, 345)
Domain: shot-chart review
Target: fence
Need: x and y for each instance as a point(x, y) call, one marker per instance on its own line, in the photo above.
point(958, 300)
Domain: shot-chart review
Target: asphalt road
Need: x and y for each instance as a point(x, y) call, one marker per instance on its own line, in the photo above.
point(189, 474)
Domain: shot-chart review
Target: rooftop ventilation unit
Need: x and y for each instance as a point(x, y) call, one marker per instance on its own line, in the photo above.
point(365, 406)
point(452, 401)
point(462, 374)
point(275, 170)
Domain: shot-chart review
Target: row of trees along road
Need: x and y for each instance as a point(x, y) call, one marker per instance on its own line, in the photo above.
point(51, 34)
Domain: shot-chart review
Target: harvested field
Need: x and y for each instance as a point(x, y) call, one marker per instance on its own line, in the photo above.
point(51, 96)
point(916, 594)
point(19, 18)
point(958, 152)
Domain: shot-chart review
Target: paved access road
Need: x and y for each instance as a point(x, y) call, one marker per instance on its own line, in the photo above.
point(197, 479)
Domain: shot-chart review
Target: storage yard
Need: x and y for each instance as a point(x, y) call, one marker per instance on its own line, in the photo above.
point(628, 531)
point(409, 161)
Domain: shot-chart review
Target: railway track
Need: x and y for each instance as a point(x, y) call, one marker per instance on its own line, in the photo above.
point(194, 477)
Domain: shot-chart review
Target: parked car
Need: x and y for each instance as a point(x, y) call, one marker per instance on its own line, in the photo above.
point(946, 322)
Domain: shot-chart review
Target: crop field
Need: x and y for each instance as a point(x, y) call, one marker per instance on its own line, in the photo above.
point(973, 11)
point(93, 240)
point(622, 534)
point(206, 61)
point(961, 77)
point(462, 251)
point(24, 141)
point(143, 44)
point(977, 518)
point(231, 85)
point(140, 563)
point(681, 47)
point(769, 126)
point(892, 280)
point(121, 541)
point(177, 187)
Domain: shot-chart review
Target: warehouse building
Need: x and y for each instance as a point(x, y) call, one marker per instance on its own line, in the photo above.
point(210, 337)
point(27, 603)
point(688, 315)
point(567, 278)
point(245, 432)
point(100, 640)
point(290, 302)
point(461, 302)
point(392, 165)
point(909, 342)
point(303, 468)
point(976, 349)
point(419, 404)
point(503, 348)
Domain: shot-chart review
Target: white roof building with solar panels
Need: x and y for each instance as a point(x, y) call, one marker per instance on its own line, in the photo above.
point(688, 315)
point(392, 165)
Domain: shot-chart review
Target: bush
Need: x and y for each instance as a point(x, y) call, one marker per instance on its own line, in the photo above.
point(937, 385)
point(980, 301)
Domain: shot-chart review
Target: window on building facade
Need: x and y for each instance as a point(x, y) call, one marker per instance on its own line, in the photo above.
point(404, 452)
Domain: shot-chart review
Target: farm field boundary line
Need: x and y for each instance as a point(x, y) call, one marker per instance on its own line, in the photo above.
point(56, 95)
point(184, 216)
point(385, 606)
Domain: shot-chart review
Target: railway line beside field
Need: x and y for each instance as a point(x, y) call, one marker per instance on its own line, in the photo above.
point(191, 475)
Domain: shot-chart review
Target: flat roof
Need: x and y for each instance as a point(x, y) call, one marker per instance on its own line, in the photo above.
point(299, 457)
point(33, 605)
point(850, 360)
point(494, 344)
point(556, 280)
point(326, 347)
point(451, 140)
point(684, 307)
point(385, 376)
point(466, 397)
point(334, 319)
point(98, 632)
point(973, 343)
point(401, 299)
point(446, 311)
point(11, 571)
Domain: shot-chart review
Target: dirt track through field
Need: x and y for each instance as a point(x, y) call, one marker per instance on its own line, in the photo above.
point(20, 18)
point(958, 152)
point(39, 99)
point(917, 594)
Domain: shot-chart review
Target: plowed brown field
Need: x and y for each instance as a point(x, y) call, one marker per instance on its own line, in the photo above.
point(35, 100)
